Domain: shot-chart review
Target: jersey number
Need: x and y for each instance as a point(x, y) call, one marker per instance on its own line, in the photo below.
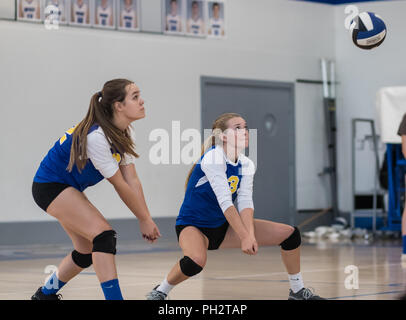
point(233, 181)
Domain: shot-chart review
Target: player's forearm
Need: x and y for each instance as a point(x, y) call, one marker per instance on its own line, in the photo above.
point(247, 217)
point(403, 136)
point(404, 149)
point(132, 195)
point(235, 222)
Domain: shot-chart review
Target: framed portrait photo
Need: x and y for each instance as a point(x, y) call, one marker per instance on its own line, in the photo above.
point(104, 14)
point(29, 10)
point(174, 17)
point(55, 12)
point(80, 13)
point(128, 15)
point(216, 19)
point(195, 18)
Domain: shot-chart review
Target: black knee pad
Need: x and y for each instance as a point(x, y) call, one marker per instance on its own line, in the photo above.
point(82, 260)
point(293, 241)
point(189, 267)
point(105, 242)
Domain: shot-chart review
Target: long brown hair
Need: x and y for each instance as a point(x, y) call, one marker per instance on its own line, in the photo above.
point(218, 127)
point(101, 112)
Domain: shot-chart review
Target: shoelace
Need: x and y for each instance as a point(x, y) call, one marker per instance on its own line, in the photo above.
point(308, 293)
point(157, 294)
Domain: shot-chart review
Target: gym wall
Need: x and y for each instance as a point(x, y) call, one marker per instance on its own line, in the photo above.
point(48, 77)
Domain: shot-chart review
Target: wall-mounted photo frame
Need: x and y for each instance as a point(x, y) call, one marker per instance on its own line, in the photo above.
point(174, 17)
point(104, 14)
point(29, 10)
point(55, 12)
point(80, 13)
point(128, 15)
point(216, 19)
point(195, 18)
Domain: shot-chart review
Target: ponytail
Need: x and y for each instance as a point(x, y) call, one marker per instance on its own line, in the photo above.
point(213, 139)
point(79, 138)
point(101, 111)
point(208, 143)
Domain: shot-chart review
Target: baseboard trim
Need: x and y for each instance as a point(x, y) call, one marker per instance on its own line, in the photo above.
point(51, 232)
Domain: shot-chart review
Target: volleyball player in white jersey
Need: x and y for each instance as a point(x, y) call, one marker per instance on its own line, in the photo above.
point(101, 146)
point(208, 219)
point(104, 14)
point(216, 24)
point(173, 19)
point(59, 5)
point(195, 24)
point(128, 19)
point(29, 9)
point(80, 12)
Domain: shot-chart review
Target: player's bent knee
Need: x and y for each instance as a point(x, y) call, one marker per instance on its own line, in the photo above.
point(82, 260)
point(189, 267)
point(105, 242)
point(293, 241)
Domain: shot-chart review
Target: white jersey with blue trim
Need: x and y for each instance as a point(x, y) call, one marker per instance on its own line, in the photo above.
point(173, 23)
point(104, 15)
point(129, 18)
point(29, 9)
point(217, 27)
point(195, 26)
point(214, 185)
point(80, 13)
point(102, 161)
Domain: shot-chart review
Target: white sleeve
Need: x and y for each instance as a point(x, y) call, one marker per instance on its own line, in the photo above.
point(98, 151)
point(214, 167)
point(244, 193)
point(129, 158)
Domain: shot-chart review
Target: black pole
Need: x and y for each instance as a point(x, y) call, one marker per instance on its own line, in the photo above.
point(330, 121)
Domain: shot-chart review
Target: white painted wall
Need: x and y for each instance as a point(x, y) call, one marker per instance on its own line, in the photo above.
point(361, 74)
point(47, 79)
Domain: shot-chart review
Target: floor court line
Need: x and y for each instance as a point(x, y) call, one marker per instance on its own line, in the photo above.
point(366, 295)
point(303, 271)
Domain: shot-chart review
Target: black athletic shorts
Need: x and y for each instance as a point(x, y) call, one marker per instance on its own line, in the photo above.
point(215, 235)
point(45, 193)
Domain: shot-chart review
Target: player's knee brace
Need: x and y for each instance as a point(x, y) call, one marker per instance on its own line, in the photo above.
point(105, 242)
point(293, 241)
point(82, 260)
point(189, 267)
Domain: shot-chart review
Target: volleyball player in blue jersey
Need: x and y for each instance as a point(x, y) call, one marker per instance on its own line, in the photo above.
point(100, 146)
point(208, 219)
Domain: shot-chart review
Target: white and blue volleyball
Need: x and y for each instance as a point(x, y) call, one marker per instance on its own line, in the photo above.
point(368, 30)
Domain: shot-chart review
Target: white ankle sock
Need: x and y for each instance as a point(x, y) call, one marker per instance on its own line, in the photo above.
point(296, 282)
point(165, 287)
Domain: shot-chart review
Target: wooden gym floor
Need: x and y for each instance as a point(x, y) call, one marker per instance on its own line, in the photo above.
point(229, 274)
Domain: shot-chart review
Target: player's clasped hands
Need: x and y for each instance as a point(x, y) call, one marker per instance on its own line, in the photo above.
point(149, 230)
point(249, 245)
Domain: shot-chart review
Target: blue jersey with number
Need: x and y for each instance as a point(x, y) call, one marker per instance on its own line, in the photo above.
point(201, 206)
point(53, 167)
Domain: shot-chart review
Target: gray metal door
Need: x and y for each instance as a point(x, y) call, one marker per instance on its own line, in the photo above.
point(269, 108)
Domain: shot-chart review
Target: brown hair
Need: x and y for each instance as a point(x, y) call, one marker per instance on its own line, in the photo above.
point(101, 112)
point(218, 127)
